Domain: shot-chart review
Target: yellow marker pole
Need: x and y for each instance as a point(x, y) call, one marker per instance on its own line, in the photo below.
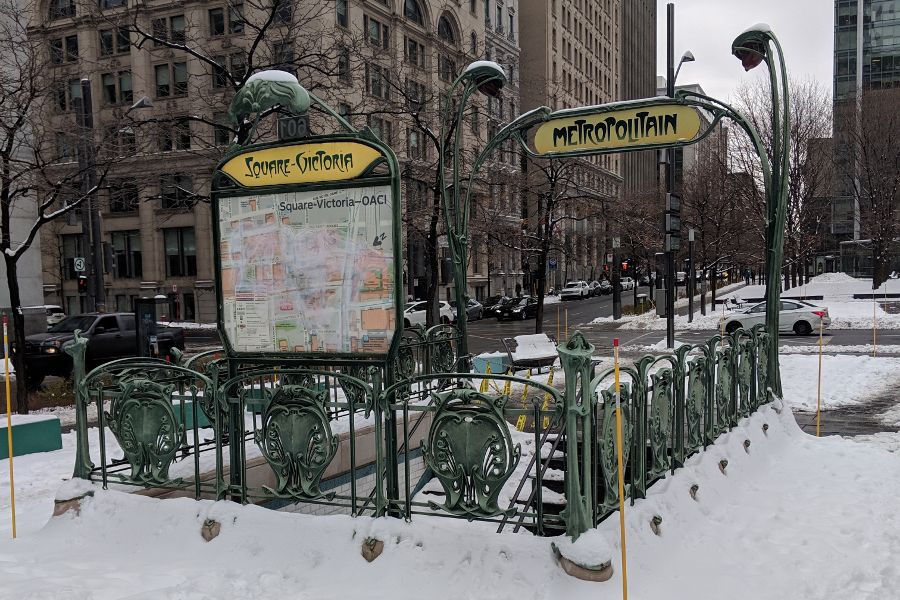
point(723, 319)
point(484, 382)
point(520, 422)
point(557, 324)
point(546, 405)
point(508, 385)
point(819, 390)
point(621, 471)
point(9, 439)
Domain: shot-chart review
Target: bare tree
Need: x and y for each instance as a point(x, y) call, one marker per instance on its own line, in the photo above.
point(33, 187)
point(810, 121)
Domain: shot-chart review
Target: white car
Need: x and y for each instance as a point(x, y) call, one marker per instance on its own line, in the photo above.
point(415, 313)
point(54, 313)
point(626, 283)
point(575, 289)
point(800, 317)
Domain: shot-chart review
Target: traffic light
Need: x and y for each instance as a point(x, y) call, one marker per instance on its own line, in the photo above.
point(625, 266)
point(82, 284)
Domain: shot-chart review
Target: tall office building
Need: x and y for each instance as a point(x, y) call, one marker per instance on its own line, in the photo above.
point(638, 64)
point(381, 63)
point(572, 58)
point(866, 57)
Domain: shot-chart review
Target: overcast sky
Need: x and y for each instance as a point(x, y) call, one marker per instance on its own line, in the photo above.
point(805, 29)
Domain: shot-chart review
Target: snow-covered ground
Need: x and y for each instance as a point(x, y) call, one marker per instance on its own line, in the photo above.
point(793, 516)
point(846, 379)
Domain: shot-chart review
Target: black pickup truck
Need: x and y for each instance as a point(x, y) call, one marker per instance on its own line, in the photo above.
point(110, 336)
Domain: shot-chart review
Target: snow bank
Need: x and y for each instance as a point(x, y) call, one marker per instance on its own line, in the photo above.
point(846, 380)
point(792, 516)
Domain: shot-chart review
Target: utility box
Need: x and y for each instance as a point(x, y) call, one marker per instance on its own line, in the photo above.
point(146, 311)
point(660, 295)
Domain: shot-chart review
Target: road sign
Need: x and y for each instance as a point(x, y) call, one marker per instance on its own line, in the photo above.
point(609, 258)
point(553, 264)
point(79, 264)
point(616, 242)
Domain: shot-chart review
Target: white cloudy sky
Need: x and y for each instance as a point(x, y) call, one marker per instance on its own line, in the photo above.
point(707, 28)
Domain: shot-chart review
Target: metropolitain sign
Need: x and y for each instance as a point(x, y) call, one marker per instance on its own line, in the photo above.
point(616, 130)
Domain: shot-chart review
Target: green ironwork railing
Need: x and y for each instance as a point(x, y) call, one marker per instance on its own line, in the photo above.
point(418, 438)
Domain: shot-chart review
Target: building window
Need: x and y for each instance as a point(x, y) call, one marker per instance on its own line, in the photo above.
point(498, 22)
point(284, 57)
point(236, 18)
point(415, 146)
point(71, 249)
point(446, 31)
point(343, 64)
point(472, 6)
point(71, 48)
point(216, 21)
point(377, 83)
point(415, 95)
point(126, 248)
point(123, 196)
point(376, 32)
point(473, 44)
point(381, 127)
point(511, 32)
point(110, 89)
point(56, 51)
point(413, 11)
point(238, 66)
point(171, 79)
point(342, 13)
point(284, 11)
point(60, 9)
point(414, 52)
point(181, 252)
point(168, 29)
point(65, 147)
point(487, 12)
point(174, 135)
point(447, 68)
point(175, 191)
point(66, 93)
point(220, 72)
point(222, 133)
point(104, 4)
point(116, 41)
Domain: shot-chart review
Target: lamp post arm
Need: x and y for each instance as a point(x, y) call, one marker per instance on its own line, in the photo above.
point(330, 111)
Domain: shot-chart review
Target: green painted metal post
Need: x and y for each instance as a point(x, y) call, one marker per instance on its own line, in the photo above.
point(83, 464)
point(575, 357)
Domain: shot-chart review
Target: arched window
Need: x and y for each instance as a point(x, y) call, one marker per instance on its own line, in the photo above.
point(473, 39)
point(446, 31)
point(413, 11)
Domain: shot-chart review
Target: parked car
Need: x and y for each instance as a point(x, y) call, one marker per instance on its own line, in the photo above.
point(521, 308)
point(474, 310)
point(495, 309)
point(54, 313)
point(490, 302)
point(626, 283)
point(109, 336)
point(605, 287)
point(800, 317)
point(575, 289)
point(414, 314)
point(594, 286)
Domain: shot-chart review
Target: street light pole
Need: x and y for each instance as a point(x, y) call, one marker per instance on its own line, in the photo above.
point(90, 225)
point(690, 275)
point(753, 47)
point(670, 180)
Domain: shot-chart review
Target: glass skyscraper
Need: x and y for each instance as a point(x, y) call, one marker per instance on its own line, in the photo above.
point(867, 34)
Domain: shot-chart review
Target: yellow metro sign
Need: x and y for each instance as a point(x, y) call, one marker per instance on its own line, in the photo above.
point(301, 163)
point(622, 129)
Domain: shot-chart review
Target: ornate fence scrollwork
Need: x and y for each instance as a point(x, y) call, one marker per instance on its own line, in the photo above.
point(471, 451)
point(296, 440)
point(143, 422)
point(608, 464)
point(698, 372)
point(660, 421)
